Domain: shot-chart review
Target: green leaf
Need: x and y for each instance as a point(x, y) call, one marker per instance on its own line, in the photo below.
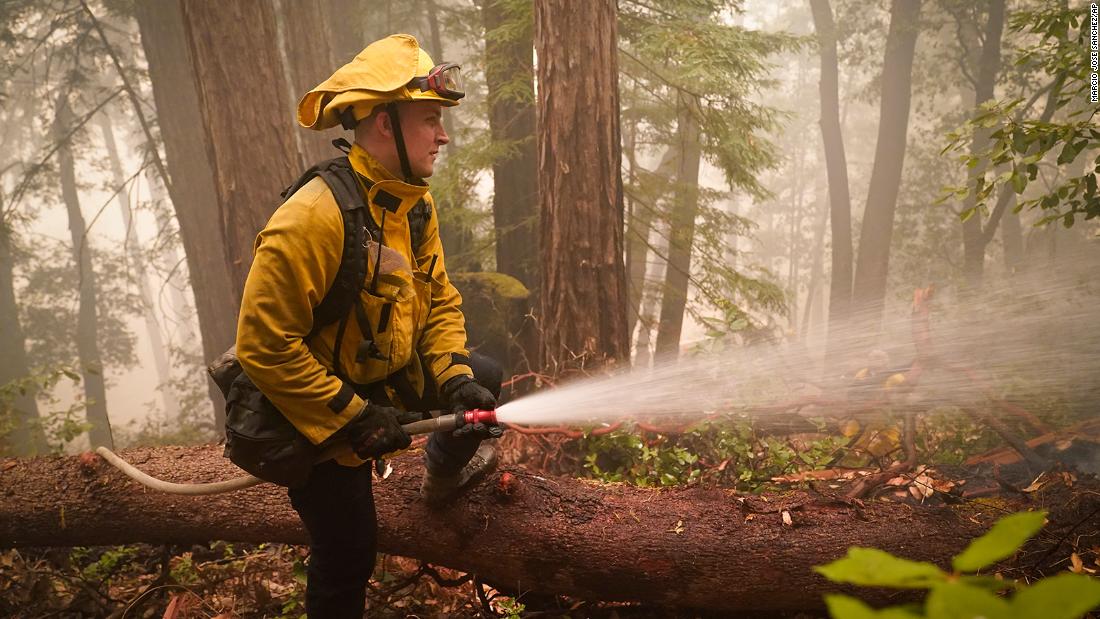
point(847, 607)
point(1069, 153)
point(876, 568)
point(1001, 541)
point(958, 601)
point(1065, 596)
point(1019, 182)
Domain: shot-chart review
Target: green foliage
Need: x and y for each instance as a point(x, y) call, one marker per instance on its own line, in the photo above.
point(60, 425)
point(723, 452)
point(1019, 146)
point(1007, 535)
point(109, 562)
point(512, 608)
point(959, 595)
point(682, 62)
point(871, 567)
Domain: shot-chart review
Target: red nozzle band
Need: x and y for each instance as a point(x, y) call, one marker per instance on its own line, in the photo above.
point(480, 416)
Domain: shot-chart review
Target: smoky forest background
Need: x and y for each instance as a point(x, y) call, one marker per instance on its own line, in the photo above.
point(877, 219)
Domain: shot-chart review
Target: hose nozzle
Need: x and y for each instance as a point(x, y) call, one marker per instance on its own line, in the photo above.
point(479, 416)
point(451, 421)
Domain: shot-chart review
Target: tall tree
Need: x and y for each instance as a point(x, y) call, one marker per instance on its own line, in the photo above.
point(87, 331)
point(26, 437)
point(20, 412)
point(640, 222)
point(132, 247)
point(836, 165)
point(583, 279)
point(250, 143)
point(681, 230)
point(975, 239)
point(873, 262)
point(191, 187)
point(509, 78)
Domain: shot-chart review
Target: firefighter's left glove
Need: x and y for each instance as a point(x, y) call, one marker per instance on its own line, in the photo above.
point(376, 431)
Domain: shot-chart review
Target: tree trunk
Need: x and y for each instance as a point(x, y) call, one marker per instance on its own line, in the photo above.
point(583, 280)
point(638, 235)
point(794, 237)
point(688, 547)
point(840, 204)
point(87, 328)
point(194, 199)
point(133, 251)
point(681, 233)
point(873, 263)
point(346, 26)
point(180, 310)
point(250, 143)
point(439, 54)
point(1012, 236)
point(647, 314)
point(989, 63)
point(26, 437)
point(307, 60)
point(817, 266)
point(508, 64)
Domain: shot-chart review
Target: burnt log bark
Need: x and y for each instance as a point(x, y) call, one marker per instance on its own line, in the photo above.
point(688, 547)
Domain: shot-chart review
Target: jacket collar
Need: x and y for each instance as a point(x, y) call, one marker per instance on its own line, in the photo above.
point(383, 189)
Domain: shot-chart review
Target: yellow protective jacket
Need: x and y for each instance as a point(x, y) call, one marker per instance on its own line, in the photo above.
point(295, 261)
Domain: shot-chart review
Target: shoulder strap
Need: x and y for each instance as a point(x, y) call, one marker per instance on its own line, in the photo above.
point(341, 180)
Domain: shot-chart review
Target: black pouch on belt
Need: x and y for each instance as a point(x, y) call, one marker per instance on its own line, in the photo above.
point(262, 441)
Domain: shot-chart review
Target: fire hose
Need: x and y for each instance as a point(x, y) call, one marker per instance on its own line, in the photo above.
point(437, 423)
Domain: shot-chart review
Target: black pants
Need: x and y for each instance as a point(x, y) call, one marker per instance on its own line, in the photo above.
point(337, 508)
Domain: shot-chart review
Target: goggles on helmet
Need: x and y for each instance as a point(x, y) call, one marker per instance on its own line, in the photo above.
point(443, 80)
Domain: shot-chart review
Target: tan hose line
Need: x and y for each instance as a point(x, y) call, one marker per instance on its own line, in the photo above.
point(245, 481)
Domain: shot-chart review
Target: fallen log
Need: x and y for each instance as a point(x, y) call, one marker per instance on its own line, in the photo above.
point(687, 547)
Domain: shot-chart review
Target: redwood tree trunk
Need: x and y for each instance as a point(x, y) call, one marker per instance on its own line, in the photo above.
point(509, 63)
point(694, 547)
point(249, 140)
point(87, 323)
point(873, 263)
point(685, 207)
point(191, 191)
point(836, 165)
point(583, 281)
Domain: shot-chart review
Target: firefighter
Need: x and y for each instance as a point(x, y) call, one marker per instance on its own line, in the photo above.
point(401, 349)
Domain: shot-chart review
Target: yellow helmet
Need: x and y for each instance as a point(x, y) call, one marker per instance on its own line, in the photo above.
point(389, 70)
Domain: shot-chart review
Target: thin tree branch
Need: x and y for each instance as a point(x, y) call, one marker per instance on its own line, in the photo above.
point(135, 100)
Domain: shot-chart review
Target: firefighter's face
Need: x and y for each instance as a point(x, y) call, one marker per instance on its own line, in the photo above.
point(422, 128)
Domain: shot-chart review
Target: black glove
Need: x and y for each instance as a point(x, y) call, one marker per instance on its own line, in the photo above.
point(463, 393)
point(377, 431)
